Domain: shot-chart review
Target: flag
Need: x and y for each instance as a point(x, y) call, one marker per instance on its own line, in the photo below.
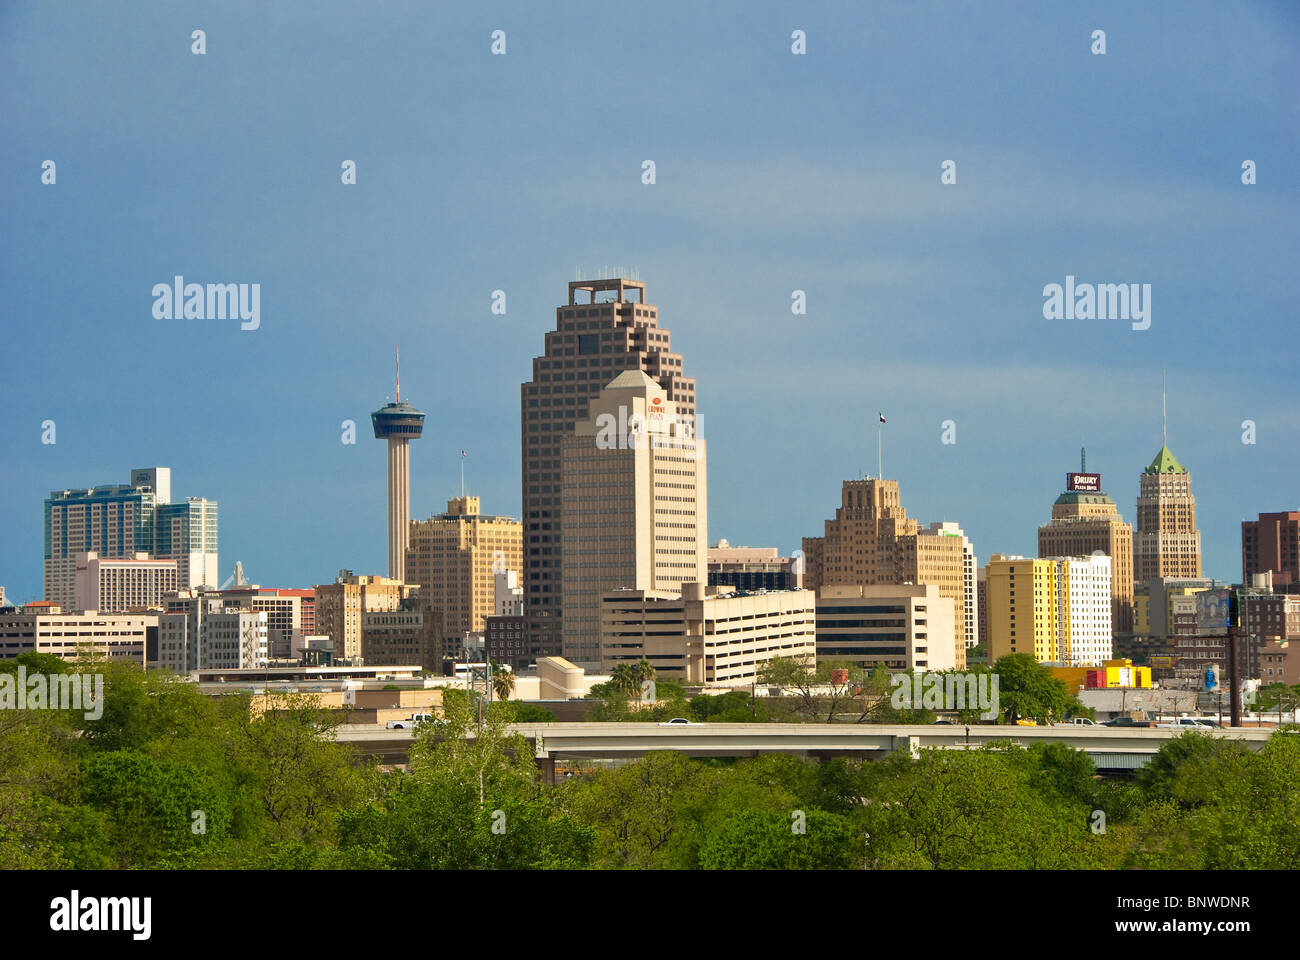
point(462, 454)
point(881, 415)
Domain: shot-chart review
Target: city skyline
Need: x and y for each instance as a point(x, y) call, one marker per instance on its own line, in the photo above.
point(924, 300)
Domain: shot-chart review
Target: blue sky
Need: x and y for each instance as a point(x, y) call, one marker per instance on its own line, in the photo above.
point(775, 172)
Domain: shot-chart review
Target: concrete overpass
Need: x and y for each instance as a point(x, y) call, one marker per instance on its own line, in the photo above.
point(1113, 749)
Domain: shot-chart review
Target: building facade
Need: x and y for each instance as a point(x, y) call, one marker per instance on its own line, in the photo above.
point(122, 521)
point(45, 628)
point(753, 568)
point(1057, 609)
point(455, 558)
point(410, 635)
point(721, 640)
point(607, 327)
point(1084, 521)
point(872, 541)
point(635, 500)
point(1167, 542)
point(1271, 544)
point(907, 627)
point(118, 586)
point(340, 605)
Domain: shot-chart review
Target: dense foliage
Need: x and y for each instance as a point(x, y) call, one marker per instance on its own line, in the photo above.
point(168, 777)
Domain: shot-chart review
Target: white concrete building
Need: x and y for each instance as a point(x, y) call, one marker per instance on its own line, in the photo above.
point(970, 573)
point(208, 632)
point(903, 626)
point(116, 586)
point(508, 595)
point(44, 628)
point(720, 640)
point(1083, 603)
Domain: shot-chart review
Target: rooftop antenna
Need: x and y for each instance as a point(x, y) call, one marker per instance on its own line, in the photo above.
point(1083, 460)
point(397, 368)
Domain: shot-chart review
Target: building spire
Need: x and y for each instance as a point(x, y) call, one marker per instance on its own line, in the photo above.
point(1164, 412)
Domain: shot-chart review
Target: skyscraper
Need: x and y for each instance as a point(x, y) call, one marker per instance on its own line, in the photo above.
point(612, 330)
point(120, 521)
point(1062, 613)
point(1085, 520)
point(398, 423)
point(635, 503)
point(1167, 543)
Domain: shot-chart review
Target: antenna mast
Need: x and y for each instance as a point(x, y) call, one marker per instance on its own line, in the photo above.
point(397, 368)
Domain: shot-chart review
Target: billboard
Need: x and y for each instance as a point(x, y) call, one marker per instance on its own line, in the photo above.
point(1212, 613)
point(1088, 482)
point(1163, 661)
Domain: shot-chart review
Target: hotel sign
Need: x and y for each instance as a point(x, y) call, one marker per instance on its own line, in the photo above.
point(1089, 482)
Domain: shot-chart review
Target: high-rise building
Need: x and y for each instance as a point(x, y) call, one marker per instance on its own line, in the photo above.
point(1057, 609)
point(614, 329)
point(122, 521)
point(203, 630)
point(1084, 521)
point(872, 541)
point(1271, 544)
point(399, 423)
point(634, 497)
point(455, 557)
point(340, 605)
point(1167, 543)
point(970, 593)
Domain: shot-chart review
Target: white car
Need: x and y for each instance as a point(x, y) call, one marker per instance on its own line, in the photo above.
point(677, 722)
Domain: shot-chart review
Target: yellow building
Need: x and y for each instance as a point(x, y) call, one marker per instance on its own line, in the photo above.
point(1022, 607)
point(340, 605)
point(1116, 674)
point(455, 556)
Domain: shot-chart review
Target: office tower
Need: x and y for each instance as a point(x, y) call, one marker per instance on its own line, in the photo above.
point(399, 423)
point(611, 331)
point(340, 605)
point(634, 498)
point(1085, 520)
point(117, 586)
point(872, 541)
point(121, 521)
point(903, 626)
point(1057, 609)
point(753, 568)
point(1167, 543)
point(1271, 544)
point(455, 557)
point(718, 640)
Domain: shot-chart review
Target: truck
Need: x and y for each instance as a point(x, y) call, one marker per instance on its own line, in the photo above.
point(1077, 722)
point(411, 722)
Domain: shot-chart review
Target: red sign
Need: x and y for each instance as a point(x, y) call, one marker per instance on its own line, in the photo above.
point(1089, 482)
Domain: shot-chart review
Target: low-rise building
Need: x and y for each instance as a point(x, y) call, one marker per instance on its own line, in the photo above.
point(695, 638)
point(903, 626)
point(43, 627)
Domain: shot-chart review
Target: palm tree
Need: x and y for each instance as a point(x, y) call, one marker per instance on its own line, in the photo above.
point(503, 682)
point(623, 678)
point(643, 672)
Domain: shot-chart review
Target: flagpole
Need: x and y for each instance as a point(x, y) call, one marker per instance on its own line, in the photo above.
point(880, 449)
point(462, 474)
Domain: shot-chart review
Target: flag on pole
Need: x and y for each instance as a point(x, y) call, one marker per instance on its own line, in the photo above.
point(881, 415)
point(462, 453)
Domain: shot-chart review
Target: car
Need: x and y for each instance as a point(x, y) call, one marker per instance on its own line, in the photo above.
point(676, 722)
point(1128, 722)
point(948, 722)
point(1026, 722)
point(1076, 722)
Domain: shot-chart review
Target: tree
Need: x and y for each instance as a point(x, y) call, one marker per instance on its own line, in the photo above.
point(503, 681)
point(819, 687)
point(760, 839)
point(1027, 689)
point(1279, 697)
point(623, 678)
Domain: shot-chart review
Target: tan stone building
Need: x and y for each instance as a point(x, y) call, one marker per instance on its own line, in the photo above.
point(872, 541)
point(454, 557)
point(607, 327)
point(1167, 543)
point(409, 635)
point(340, 605)
point(635, 500)
point(1085, 520)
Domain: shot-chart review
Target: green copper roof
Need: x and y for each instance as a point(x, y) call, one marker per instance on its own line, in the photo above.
point(1078, 496)
point(1165, 463)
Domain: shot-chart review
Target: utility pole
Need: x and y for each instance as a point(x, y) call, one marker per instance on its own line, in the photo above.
point(1235, 692)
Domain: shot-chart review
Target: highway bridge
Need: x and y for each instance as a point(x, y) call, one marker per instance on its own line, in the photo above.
point(1113, 749)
